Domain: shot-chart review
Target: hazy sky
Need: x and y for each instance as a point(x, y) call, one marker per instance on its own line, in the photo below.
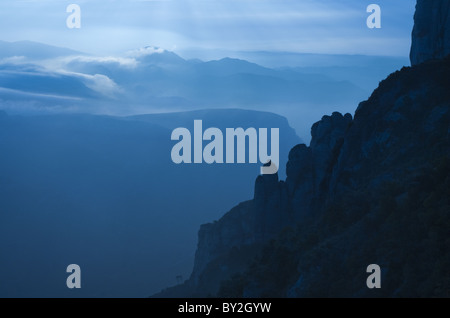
point(114, 26)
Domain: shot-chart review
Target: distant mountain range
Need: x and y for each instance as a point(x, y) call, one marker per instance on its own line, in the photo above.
point(40, 78)
point(33, 50)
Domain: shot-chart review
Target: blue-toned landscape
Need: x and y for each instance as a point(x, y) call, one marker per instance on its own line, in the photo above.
point(87, 178)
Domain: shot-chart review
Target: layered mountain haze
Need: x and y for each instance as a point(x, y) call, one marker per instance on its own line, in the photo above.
point(104, 192)
point(87, 174)
point(152, 79)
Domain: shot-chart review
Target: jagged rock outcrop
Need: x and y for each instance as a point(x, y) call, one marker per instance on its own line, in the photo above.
point(300, 180)
point(270, 196)
point(372, 202)
point(431, 33)
point(393, 125)
point(235, 228)
point(277, 204)
point(248, 223)
point(373, 189)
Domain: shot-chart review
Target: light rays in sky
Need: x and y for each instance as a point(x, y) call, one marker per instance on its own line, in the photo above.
point(115, 26)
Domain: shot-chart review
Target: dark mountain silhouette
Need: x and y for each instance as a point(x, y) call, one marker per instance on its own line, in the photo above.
point(373, 189)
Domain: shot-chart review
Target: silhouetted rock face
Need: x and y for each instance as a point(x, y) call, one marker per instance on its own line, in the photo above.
point(300, 180)
point(271, 206)
point(235, 228)
point(327, 137)
point(431, 33)
point(309, 168)
point(401, 130)
point(277, 204)
point(408, 110)
point(337, 184)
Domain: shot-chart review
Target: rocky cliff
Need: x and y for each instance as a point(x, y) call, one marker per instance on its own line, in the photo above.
point(431, 33)
point(277, 204)
point(370, 189)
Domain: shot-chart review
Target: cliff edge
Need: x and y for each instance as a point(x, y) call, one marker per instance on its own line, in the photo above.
point(431, 33)
point(373, 189)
